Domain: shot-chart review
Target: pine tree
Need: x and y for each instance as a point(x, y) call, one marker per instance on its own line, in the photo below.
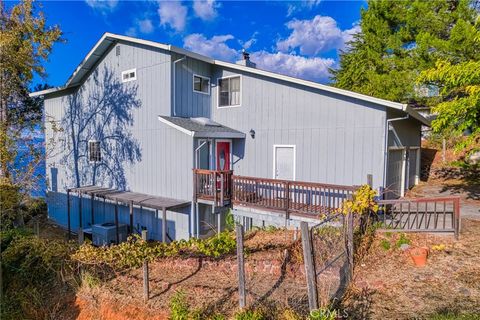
point(400, 39)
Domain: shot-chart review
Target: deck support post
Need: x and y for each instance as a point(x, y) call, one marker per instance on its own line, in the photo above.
point(117, 235)
point(309, 266)
point(131, 216)
point(92, 216)
point(370, 180)
point(146, 288)
point(68, 215)
point(80, 223)
point(164, 225)
point(241, 267)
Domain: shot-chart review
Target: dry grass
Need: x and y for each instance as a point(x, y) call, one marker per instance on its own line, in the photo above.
point(388, 286)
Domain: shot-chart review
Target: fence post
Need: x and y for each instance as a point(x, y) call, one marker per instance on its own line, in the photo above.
point(146, 289)
point(241, 267)
point(309, 266)
point(456, 211)
point(349, 245)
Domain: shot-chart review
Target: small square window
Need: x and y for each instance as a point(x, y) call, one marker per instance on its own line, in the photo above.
point(94, 153)
point(129, 75)
point(201, 84)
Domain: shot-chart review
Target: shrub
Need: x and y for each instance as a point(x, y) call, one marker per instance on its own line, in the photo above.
point(385, 244)
point(10, 198)
point(249, 315)
point(132, 253)
point(32, 274)
point(179, 309)
point(402, 240)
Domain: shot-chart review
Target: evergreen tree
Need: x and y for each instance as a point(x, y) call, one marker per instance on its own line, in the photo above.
point(398, 40)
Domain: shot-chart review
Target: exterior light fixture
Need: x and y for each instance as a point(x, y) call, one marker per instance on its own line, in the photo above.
point(252, 133)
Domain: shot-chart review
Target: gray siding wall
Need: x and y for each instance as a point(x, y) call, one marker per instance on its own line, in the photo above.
point(166, 155)
point(338, 139)
point(190, 103)
point(409, 133)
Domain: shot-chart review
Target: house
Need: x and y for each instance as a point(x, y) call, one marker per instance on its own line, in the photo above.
point(137, 116)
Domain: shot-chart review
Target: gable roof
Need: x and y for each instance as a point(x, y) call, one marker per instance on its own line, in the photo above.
point(201, 127)
point(109, 39)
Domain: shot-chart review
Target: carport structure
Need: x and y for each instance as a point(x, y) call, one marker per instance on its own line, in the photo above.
point(118, 197)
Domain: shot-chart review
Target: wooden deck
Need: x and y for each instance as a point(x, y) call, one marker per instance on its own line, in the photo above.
point(292, 197)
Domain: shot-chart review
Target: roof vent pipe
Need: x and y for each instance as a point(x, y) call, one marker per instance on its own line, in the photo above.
point(174, 82)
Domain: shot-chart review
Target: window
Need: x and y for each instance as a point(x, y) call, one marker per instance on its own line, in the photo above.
point(129, 75)
point(94, 154)
point(229, 91)
point(201, 84)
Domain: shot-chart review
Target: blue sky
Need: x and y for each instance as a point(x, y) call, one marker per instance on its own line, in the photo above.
point(301, 39)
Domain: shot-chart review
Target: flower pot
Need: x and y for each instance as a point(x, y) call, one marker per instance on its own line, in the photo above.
point(419, 256)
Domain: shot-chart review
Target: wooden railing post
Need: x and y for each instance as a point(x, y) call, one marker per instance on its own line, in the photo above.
point(241, 267)
point(287, 200)
point(222, 187)
point(146, 288)
point(309, 266)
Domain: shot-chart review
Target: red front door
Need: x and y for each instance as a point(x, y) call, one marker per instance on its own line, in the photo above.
point(223, 155)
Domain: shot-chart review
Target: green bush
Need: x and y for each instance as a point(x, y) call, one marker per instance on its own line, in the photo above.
point(402, 240)
point(179, 309)
point(132, 253)
point(385, 244)
point(249, 315)
point(32, 274)
point(10, 199)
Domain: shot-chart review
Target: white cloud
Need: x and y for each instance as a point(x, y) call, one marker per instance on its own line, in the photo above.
point(315, 68)
point(173, 14)
point(205, 9)
point(250, 42)
point(145, 26)
point(102, 5)
point(315, 36)
point(215, 47)
point(301, 5)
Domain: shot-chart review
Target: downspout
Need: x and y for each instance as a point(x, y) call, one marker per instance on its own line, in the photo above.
point(174, 82)
point(387, 126)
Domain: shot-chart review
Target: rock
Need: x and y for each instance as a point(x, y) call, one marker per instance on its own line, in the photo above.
point(404, 246)
point(474, 158)
point(464, 291)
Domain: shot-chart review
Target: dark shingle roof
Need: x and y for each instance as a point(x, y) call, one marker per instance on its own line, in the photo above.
point(202, 127)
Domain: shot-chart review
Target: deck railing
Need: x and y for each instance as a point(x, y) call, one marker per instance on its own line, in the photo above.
point(436, 214)
point(213, 185)
point(292, 197)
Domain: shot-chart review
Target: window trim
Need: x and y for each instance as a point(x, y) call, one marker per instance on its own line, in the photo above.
point(129, 71)
point(89, 152)
point(218, 91)
point(202, 77)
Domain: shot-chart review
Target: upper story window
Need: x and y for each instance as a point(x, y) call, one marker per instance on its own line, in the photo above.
point(229, 92)
point(201, 84)
point(94, 153)
point(129, 75)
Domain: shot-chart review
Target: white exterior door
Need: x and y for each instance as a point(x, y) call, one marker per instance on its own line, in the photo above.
point(284, 162)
